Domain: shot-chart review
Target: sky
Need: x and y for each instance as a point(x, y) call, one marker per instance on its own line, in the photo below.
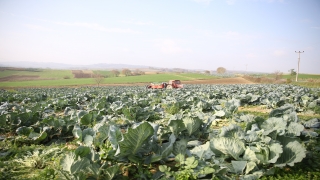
point(246, 35)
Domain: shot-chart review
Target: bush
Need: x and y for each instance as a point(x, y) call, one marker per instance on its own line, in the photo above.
point(66, 77)
point(311, 80)
point(289, 81)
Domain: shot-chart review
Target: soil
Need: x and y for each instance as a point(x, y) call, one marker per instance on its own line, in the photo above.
point(236, 80)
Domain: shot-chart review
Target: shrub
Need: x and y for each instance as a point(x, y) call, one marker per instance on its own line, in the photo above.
point(311, 80)
point(66, 77)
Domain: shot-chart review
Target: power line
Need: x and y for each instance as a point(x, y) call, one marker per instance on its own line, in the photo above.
point(298, 64)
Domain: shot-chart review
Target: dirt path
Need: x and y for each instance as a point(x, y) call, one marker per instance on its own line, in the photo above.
point(236, 80)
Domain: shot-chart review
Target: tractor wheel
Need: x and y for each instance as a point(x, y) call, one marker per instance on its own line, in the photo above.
point(169, 86)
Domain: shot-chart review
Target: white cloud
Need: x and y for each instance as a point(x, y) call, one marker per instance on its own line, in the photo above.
point(37, 27)
point(169, 46)
point(97, 27)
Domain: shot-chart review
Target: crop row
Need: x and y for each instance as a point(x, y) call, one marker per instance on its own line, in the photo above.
point(131, 132)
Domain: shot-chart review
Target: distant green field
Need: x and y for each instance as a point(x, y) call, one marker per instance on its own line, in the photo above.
point(104, 73)
point(192, 76)
point(43, 73)
point(303, 76)
point(111, 80)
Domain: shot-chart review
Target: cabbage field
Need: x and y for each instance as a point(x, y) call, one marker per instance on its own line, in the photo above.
point(197, 132)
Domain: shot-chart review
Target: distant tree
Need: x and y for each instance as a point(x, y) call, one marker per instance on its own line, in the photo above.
point(126, 72)
point(137, 72)
point(277, 75)
point(115, 72)
point(98, 78)
point(207, 72)
point(221, 70)
point(292, 72)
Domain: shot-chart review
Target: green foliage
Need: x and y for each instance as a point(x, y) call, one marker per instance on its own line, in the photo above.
point(125, 132)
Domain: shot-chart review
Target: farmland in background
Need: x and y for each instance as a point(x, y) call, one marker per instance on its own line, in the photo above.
point(38, 73)
point(303, 76)
point(49, 78)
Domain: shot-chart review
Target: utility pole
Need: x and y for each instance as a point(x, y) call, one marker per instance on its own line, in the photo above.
point(298, 64)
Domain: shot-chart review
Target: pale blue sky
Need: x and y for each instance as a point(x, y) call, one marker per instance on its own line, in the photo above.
point(192, 34)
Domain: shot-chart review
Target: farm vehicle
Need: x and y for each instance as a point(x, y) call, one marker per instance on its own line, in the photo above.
point(173, 84)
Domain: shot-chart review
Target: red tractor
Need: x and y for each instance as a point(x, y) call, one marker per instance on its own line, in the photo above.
point(172, 84)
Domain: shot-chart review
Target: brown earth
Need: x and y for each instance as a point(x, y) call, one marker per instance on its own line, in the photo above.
point(236, 80)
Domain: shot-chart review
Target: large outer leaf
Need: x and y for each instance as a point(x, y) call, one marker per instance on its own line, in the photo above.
point(180, 147)
point(275, 152)
point(250, 166)
point(101, 131)
point(227, 146)
point(239, 166)
point(37, 137)
point(312, 123)
point(232, 131)
point(23, 130)
point(274, 124)
point(192, 124)
point(115, 136)
point(293, 152)
point(88, 140)
point(77, 132)
point(86, 119)
point(253, 176)
point(67, 161)
point(79, 165)
point(279, 112)
point(82, 151)
point(135, 138)
point(203, 151)
point(111, 172)
point(176, 126)
point(250, 155)
point(88, 131)
point(165, 150)
point(294, 129)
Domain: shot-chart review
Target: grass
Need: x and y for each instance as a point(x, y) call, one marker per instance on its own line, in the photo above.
point(193, 76)
point(43, 73)
point(302, 76)
point(90, 81)
point(104, 73)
